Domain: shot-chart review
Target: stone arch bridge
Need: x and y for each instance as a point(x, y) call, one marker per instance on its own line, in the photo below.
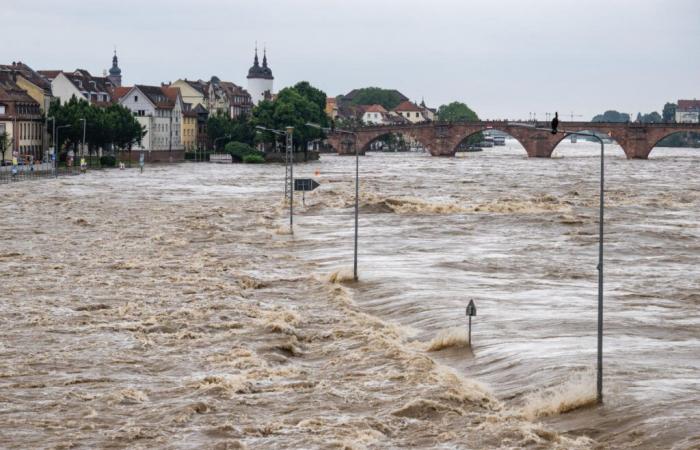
point(443, 138)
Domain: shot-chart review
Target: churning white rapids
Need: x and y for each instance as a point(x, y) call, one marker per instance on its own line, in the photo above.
point(173, 309)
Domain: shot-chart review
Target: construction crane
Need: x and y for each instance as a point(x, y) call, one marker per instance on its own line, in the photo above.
point(572, 115)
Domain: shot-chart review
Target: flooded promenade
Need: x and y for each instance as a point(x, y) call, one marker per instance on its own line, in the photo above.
point(172, 309)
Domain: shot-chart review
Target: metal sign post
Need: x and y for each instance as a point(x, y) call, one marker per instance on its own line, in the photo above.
point(471, 311)
point(554, 130)
point(290, 155)
point(303, 185)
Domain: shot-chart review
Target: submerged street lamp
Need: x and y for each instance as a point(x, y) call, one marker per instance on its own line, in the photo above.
point(357, 184)
point(55, 144)
point(555, 130)
point(228, 136)
point(288, 168)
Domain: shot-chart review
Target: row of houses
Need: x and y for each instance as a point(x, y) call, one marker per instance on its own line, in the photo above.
point(374, 114)
point(174, 114)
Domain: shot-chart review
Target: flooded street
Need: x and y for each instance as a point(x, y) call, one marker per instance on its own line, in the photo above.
point(172, 309)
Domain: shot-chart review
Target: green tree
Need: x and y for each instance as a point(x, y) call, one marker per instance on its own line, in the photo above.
point(612, 116)
point(652, 117)
point(239, 129)
point(103, 126)
point(294, 106)
point(669, 112)
point(456, 111)
point(239, 150)
point(388, 98)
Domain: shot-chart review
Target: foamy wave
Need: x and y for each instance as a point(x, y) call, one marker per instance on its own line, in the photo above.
point(452, 337)
point(283, 230)
point(575, 392)
point(223, 385)
point(341, 276)
point(377, 203)
point(543, 203)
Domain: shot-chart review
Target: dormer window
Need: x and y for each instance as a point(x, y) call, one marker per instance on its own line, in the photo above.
point(93, 85)
point(79, 83)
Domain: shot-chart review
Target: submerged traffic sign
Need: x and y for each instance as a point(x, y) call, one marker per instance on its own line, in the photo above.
point(471, 308)
point(305, 184)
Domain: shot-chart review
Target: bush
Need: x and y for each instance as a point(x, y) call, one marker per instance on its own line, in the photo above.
point(239, 150)
point(108, 161)
point(254, 158)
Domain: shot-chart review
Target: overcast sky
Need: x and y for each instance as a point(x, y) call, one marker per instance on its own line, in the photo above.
point(504, 58)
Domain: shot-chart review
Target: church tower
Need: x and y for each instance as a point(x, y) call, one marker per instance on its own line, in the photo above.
point(260, 79)
point(115, 73)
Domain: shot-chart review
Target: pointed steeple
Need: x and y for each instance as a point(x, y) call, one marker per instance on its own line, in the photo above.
point(256, 71)
point(115, 70)
point(115, 73)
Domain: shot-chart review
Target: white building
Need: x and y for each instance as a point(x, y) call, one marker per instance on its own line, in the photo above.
point(260, 80)
point(374, 115)
point(159, 110)
point(688, 111)
point(410, 111)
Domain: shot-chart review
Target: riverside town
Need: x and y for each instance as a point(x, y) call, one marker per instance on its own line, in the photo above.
point(350, 225)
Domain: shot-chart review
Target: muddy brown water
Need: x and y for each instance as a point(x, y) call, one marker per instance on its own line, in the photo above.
point(172, 309)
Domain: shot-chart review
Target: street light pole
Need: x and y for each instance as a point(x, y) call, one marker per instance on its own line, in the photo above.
point(228, 136)
point(357, 202)
point(288, 133)
point(82, 152)
point(290, 151)
point(357, 186)
point(55, 132)
point(286, 157)
point(599, 365)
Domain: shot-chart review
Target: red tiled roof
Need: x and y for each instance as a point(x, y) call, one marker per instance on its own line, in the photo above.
point(30, 74)
point(49, 74)
point(120, 92)
point(171, 93)
point(407, 106)
point(10, 92)
point(686, 105)
point(374, 108)
point(162, 97)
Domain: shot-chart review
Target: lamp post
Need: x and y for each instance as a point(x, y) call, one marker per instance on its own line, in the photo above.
point(357, 185)
point(82, 150)
point(599, 369)
point(228, 136)
point(55, 132)
point(288, 133)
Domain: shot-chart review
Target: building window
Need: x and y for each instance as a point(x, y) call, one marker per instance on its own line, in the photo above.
point(2, 109)
point(136, 98)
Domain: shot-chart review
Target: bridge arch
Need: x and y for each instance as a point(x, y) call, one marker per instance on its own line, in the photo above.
point(467, 134)
point(609, 136)
point(692, 137)
point(368, 143)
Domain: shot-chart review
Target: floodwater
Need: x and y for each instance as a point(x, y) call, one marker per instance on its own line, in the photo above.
point(173, 309)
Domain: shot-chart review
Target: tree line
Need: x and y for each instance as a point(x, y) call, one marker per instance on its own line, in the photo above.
point(113, 126)
point(294, 106)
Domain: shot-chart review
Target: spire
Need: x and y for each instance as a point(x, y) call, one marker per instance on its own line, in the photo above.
point(255, 61)
point(264, 57)
point(115, 73)
point(115, 70)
